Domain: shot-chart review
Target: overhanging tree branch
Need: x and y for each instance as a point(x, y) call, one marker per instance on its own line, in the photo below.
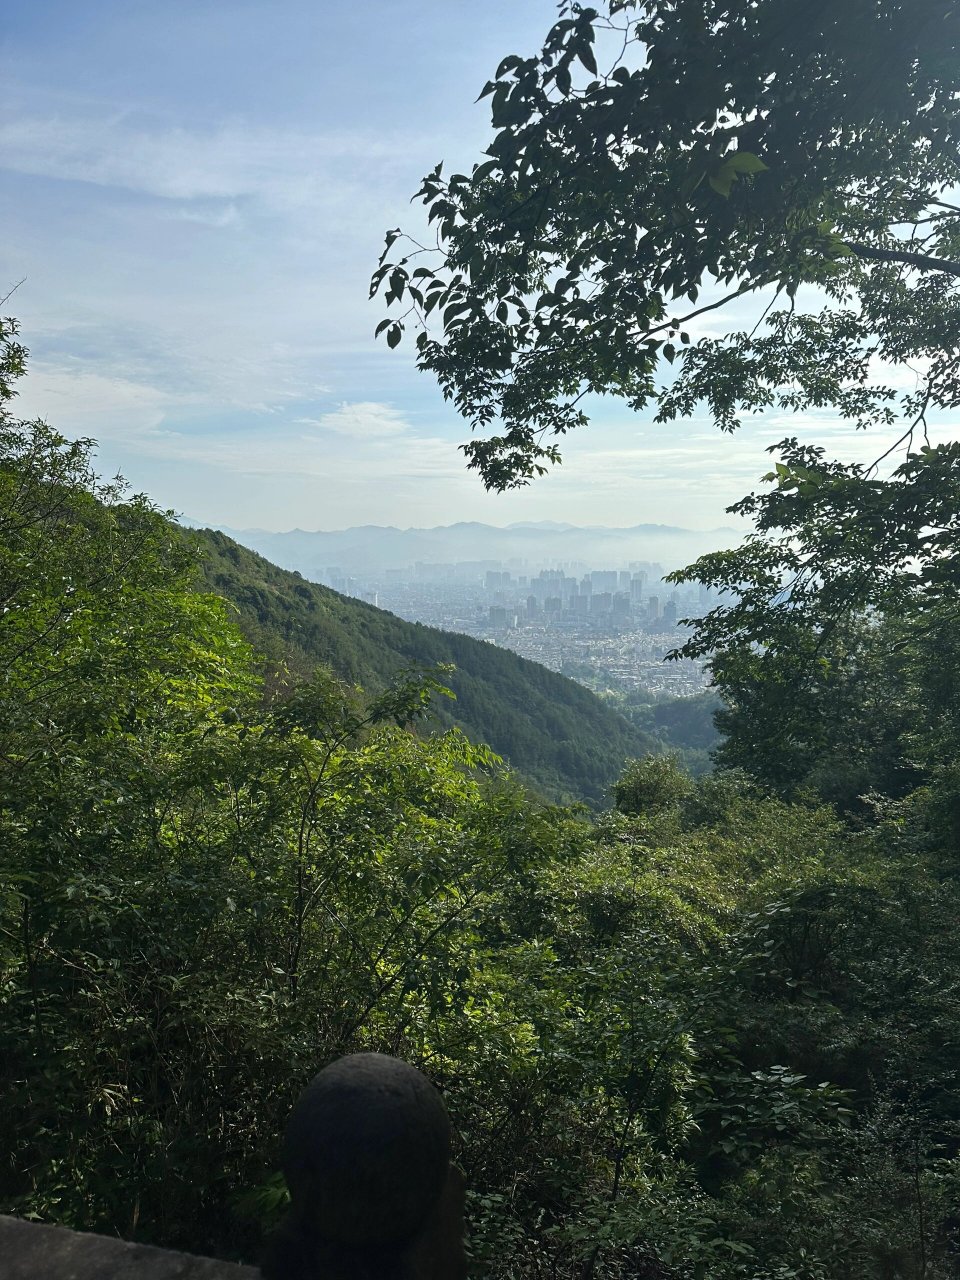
point(921, 260)
point(604, 201)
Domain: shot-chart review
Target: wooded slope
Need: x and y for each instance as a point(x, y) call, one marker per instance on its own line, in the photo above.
point(549, 728)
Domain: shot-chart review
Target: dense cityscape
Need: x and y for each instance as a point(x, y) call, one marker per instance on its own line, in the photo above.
point(610, 629)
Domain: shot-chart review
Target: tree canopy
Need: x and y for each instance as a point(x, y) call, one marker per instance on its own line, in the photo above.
point(661, 159)
point(664, 158)
point(710, 1034)
point(834, 643)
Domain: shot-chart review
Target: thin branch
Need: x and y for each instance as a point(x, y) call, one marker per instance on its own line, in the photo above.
point(907, 438)
point(713, 306)
point(767, 310)
point(9, 295)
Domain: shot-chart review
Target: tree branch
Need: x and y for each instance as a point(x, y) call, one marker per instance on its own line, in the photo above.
point(921, 260)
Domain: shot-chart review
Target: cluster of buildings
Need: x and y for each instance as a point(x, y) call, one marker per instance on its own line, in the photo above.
point(636, 595)
point(608, 628)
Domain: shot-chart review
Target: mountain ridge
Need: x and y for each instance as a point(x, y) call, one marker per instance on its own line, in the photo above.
point(551, 526)
point(553, 731)
point(372, 549)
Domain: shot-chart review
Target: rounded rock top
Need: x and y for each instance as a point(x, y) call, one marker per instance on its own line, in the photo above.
point(367, 1151)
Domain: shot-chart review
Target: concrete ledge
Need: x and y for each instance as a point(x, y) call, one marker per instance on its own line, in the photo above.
point(33, 1251)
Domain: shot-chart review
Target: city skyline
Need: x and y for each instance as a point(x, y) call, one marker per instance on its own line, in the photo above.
point(610, 629)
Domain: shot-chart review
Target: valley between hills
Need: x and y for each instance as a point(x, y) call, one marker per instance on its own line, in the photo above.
point(564, 739)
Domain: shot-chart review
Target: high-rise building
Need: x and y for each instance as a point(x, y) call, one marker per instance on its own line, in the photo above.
point(604, 580)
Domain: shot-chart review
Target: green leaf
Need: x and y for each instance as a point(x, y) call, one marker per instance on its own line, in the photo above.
point(723, 181)
point(389, 241)
point(733, 166)
point(744, 162)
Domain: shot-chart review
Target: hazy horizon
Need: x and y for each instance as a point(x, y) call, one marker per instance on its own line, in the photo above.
point(199, 523)
point(372, 549)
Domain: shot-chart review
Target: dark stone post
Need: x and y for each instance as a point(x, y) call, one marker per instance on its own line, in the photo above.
point(373, 1193)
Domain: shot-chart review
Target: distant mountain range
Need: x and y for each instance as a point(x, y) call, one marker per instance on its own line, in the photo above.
point(369, 548)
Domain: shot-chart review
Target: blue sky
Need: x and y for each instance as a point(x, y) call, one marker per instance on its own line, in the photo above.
point(196, 192)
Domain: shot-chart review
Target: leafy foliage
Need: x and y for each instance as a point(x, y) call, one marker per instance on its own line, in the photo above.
point(663, 148)
point(835, 646)
point(712, 1033)
point(647, 786)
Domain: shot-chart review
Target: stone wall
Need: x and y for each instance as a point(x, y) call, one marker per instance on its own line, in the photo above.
point(32, 1251)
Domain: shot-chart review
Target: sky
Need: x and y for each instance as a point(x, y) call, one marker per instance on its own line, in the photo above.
point(194, 194)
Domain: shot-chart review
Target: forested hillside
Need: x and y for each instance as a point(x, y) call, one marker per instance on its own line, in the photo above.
point(560, 736)
point(710, 1034)
point(714, 1033)
point(683, 727)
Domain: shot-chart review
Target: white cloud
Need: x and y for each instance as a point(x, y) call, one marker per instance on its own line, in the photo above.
point(96, 406)
point(361, 420)
point(374, 463)
point(286, 169)
point(357, 441)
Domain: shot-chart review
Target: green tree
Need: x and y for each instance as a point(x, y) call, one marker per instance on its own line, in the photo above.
point(651, 785)
point(115, 679)
point(804, 155)
point(834, 648)
point(713, 1035)
point(664, 147)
